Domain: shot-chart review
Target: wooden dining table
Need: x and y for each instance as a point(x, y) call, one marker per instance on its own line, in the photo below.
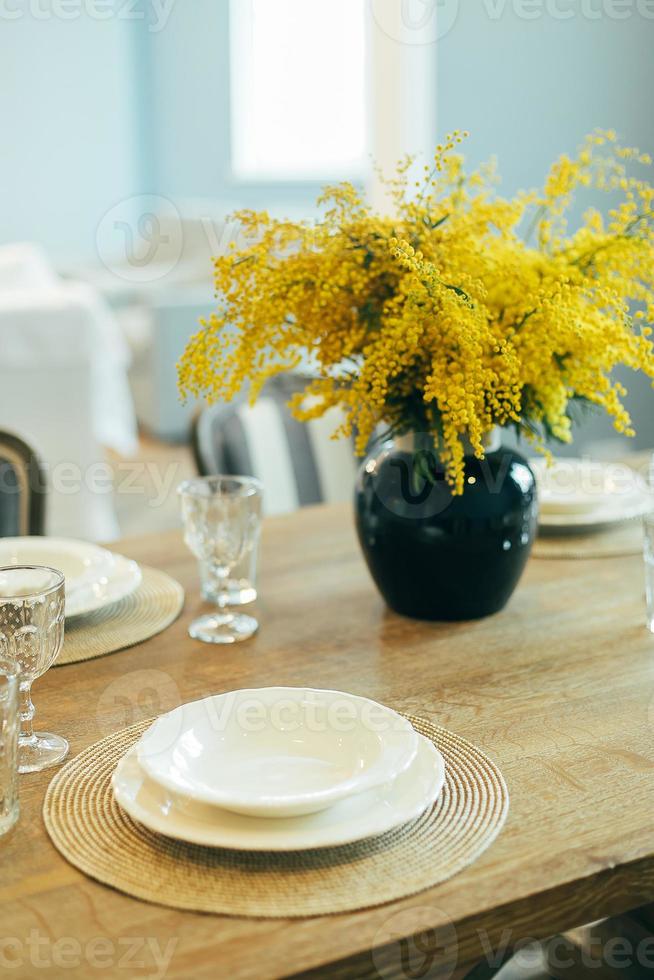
point(558, 689)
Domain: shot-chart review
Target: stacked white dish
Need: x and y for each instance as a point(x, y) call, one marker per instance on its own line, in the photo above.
point(278, 769)
point(95, 577)
point(577, 495)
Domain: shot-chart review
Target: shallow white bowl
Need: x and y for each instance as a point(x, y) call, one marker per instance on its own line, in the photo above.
point(276, 751)
point(121, 579)
point(79, 561)
point(354, 818)
point(584, 486)
point(582, 496)
point(95, 577)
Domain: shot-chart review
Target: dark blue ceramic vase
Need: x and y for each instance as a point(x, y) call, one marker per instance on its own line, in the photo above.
point(437, 556)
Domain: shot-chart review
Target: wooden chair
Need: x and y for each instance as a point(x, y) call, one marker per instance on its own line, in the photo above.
point(22, 488)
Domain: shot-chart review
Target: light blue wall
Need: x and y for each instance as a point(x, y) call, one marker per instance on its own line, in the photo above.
point(188, 98)
point(94, 111)
point(527, 90)
point(68, 125)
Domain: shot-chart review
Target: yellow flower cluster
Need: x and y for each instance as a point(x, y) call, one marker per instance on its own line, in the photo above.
point(444, 317)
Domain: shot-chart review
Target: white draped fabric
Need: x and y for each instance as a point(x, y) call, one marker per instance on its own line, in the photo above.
point(64, 388)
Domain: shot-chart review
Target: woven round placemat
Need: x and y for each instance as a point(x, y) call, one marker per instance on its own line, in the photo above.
point(91, 831)
point(151, 608)
point(617, 542)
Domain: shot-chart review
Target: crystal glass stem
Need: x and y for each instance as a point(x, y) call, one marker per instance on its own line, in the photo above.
point(27, 711)
point(223, 596)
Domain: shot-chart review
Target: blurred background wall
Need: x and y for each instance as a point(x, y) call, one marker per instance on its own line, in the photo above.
point(113, 108)
point(528, 80)
point(529, 88)
point(70, 127)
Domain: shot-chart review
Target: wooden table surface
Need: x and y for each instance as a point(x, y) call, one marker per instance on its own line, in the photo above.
point(558, 689)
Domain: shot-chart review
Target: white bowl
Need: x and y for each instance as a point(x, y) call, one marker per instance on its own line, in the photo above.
point(276, 751)
point(354, 818)
point(582, 496)
point(584, 486)
point(121, 579)
point(95, 577)
point(79, 561)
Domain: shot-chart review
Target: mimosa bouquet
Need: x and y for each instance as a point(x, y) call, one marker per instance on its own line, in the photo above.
point(459, 311)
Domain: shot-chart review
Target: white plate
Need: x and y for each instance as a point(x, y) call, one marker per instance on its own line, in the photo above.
point(355, 818)
point(79, 561)
point(94, 576)
point(121, 579)
point(584, 495)
point(598, 519)
point(276, 751)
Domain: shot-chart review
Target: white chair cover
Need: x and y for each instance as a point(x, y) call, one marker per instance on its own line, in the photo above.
point(64, 389)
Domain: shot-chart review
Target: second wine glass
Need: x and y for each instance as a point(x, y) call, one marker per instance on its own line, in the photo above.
point(222, 517)
point(32, 603)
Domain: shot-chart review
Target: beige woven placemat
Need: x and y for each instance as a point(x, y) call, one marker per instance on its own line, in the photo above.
point(151, 608)
point(91, 831)
point(617, 542)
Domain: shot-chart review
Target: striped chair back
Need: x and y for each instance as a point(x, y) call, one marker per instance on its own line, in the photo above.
point(298, 462)
point(22, 488)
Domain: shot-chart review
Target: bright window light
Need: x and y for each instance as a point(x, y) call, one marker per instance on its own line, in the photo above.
point(298, 88)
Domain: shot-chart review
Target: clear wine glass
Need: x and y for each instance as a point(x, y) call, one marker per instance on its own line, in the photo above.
point(31, 635)
point(222, 518)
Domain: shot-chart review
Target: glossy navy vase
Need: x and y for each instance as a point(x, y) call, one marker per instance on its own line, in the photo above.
point(437, 556)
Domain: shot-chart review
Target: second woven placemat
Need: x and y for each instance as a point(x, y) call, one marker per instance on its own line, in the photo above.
point(92, 832)
point(150, 609)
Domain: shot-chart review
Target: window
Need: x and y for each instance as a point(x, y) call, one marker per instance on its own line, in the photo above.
point(298, 89)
